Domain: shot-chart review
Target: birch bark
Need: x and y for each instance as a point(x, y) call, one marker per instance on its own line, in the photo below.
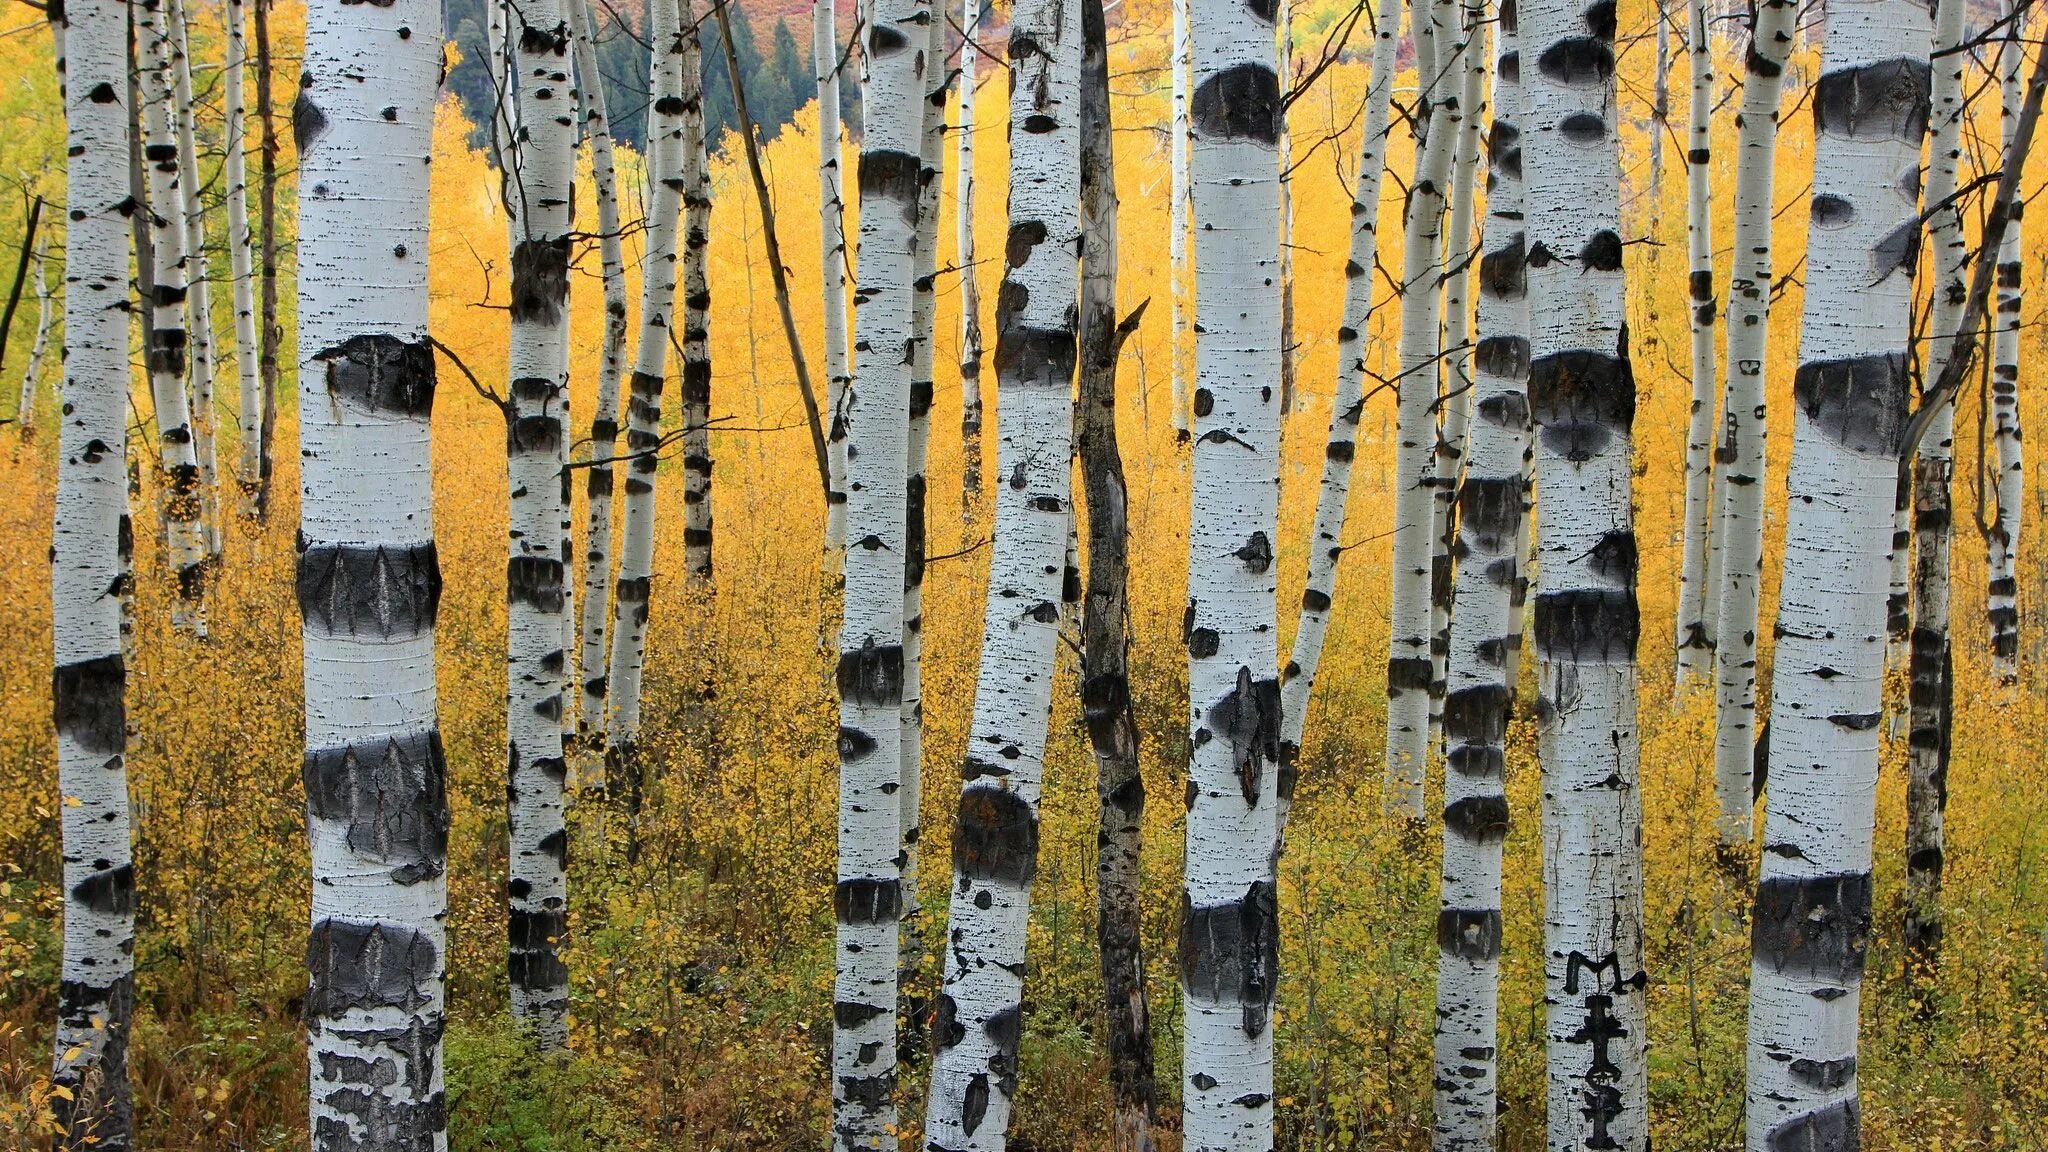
point(970, 287)
point(2001, 601)
point(832, 264)
point(1181, 64)
point(198, 283)
point(696, 349)
point(46, 313)
point(241, 268)
point(1695, 633)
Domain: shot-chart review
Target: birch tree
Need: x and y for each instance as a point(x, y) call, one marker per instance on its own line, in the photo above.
point(368, 581)
point(166, 354)
point(1230, 920)
point(1483, 631)
point(1695, 594)
point(1850, 400)
point(545, 136)
point(96, 989)
point(241, 266)
point(1739, 479)
point(1582, 395)
point(198, 283)
point(696, 350)
point(1410, 669)
point(2001, 602)
point(1181, 63)
point(825, 60)
point(46, 314)
point(604, 417)
point(995, 832)
point(1297, 678)
point(677, 91)
point(970, 286)
point(868, 899)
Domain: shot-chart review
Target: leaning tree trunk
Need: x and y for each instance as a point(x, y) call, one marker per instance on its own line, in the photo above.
point(2001, 608)
point(1695, 632)
point(1410, 669)
point(1229, 947)
point(995, 834)
point(868, 900)
point(1483, 632)
point(696, 350)
point(1738, 494)
point(1582, 395)
point(1850, 402)
point(249, 394)
point(1930, 691)
point(368, 580)
point(1181, 63)
point(825, 61)
point(1297, 678)
point(96, 992)
point(545, 136)
point(604, 419)
point(1105, 640)
point(165, 356)
point(677, 90)
point(970, 289)
point(198, 299)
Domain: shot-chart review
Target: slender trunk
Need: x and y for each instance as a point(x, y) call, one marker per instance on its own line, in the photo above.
point(1229, 947)
point(1695, 636)
point(1477, 706)
point(31, 248)
point(696, 352)
point(1929, 694)
point(268, 332)
point(181, 475)
point(995, 837)
point(1582, 395)
point(368, 581)
point(545, 136)
point(1812, 913)
point(1181, 64)
point(1660, 113)
point(677, 94)
point(832, 267)
point(1410, 668)
point(1738, 493)
point(46, 315)
point(241, 271)
point(2003, 539)
point(604, 418)
point(970, 281)
point(198, 304)
point(96, 994)
point(868, 900)
point(1326, 547)
point(1105, 619)
point(1284, 65)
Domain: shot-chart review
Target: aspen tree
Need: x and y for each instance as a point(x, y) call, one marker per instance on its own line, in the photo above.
point(1931, 687)
point(1582, 395)
point(268, 333)
point(183, 508)
point(970, 287)
point(545, 141)
point(1850, 402)
point(1180, 62)
point(1297, 678)
point(1738, 492)
point(1229, 911)
point(96, 989)
point(2000, 601)
point(677, 90)
point(1483, 632)
point(1695, 636)
point(198, 286)
point(696, 352)
point(241, 267)
point(1410, 667)
point(832, 266)
point(604, 418)
point(868, 899)
point(1283, 22)
point(46, 314)
point(368, 580)
point(995, 832)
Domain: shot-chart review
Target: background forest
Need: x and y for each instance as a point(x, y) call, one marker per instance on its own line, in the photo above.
point(701, 971)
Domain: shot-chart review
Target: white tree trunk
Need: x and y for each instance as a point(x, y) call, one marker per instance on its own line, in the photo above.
point(96, 995)
point(1229, 924)
point(970, 289)
point(1738, 498)
point(545, 131)
point(1483, 631)
point(1695, 636)
point(241, 269)
point(676, 90)
point(1582, 395)
point(198, 306)
point(1326, 547)
point(1181, 64)
point(368, 580)
point(604, 419)
point(1283, 22)
point(995, 833)
point(825, 58)
point(1812, 915)
point(2001, 607)
point(1930, 688)
point(166, 357)
point(868, 900)
point(697, 462)
point(1410, 669)
point(46, 314)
